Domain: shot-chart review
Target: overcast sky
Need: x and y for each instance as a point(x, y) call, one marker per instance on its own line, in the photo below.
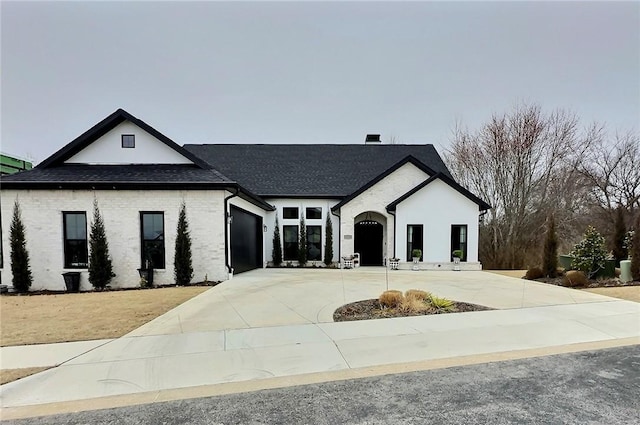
point(327, 72)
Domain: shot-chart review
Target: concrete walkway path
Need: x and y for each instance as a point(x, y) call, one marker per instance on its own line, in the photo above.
point(277, 323)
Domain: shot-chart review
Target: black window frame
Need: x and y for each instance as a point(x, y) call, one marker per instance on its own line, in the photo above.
point(410, 243)
point(144, 242)
point(133, 141)
point(458, 244)
point(317, 245)
point(289, 209)
point(290, 249)
point(67, 243)
point(313, 209)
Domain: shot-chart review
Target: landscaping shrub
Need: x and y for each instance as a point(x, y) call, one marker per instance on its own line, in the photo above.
point(277, 245)
point(20, 268)
point(391, 298)
point(183, 266)
point(574, 278)
point(100, 267)
point(328, 242)
point(550, 252)
point(413, 305)
point(534, 273)
point(590, 253)
point(302, 243)
point(635, 251)
point(418, 294)
point(441, 304)
point(620, 232)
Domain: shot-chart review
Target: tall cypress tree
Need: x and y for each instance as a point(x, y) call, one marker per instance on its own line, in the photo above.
point(328, 244)
point(183, 266)
point(277, 245)
point(550, 255)
point(620, 231)
point(302, 244)
point(20, 268)
point(100, 267)
point(635, 251)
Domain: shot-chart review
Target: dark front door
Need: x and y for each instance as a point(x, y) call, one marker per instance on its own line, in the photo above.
point(368, 242)
point(246, 240)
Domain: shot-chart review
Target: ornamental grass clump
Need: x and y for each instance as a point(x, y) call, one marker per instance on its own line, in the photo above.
point(574, 278)
point(441, 304)
point(413, 305)
point(391, 299)
point(534, 273)
point(589, 254)
point(418, 294)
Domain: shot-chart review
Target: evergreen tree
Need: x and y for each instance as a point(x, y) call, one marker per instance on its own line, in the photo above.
point(550, 255)
point(589, 255)
point(620, 231)
point(20, 269)
point(183, 267)
point(277, 245)
point(100, 267)
point(302, 244)
point(328, 245)
point(635, 251)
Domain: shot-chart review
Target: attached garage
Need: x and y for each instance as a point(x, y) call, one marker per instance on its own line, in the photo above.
point(246, 240)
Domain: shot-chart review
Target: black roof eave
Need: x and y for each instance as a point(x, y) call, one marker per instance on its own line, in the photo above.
point(132, 185)
point(408, 159)
point(304, 196)
point(482, 205)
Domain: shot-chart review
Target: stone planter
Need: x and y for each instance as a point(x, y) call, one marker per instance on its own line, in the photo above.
point(416, 264)
point(456, 264)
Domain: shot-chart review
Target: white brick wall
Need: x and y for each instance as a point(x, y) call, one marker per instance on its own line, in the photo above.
point(42, 216)
point(376, 199)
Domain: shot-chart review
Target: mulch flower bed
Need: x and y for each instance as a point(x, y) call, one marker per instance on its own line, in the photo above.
point(593, 283)
point(371, 309)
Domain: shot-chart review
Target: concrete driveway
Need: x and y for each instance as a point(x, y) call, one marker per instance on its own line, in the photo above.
point(271, 328)
point(279, 297)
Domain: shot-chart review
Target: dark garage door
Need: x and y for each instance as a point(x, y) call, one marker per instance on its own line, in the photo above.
point(246, 240)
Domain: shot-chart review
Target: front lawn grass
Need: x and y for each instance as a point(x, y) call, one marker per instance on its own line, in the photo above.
point(42, 319)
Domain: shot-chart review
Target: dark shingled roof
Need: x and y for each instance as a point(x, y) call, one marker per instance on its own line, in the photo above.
point(310, 170)
point(132, 177)
point(121, 174)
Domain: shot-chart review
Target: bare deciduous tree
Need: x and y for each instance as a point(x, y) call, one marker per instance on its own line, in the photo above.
point(524, 163)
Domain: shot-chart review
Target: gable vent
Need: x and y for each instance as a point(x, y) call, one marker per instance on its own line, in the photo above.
point(372, 139)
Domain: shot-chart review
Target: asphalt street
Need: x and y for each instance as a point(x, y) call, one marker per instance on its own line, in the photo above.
point(593, 387)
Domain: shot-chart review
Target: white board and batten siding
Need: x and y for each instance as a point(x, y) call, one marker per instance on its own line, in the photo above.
point(437, 207)
point(302, 205)
point(108, 150)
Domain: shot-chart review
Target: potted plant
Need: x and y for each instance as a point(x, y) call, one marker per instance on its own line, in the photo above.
point(416, 254)
point(394, 263)
point(146, 273)
point(457, 256)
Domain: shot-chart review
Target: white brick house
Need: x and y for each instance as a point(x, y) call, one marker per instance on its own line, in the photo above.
point(383, 201)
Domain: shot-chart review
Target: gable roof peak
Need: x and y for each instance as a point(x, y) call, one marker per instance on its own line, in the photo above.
point(107, 124)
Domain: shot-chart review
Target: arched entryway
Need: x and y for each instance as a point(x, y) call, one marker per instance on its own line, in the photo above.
point(369, 239)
